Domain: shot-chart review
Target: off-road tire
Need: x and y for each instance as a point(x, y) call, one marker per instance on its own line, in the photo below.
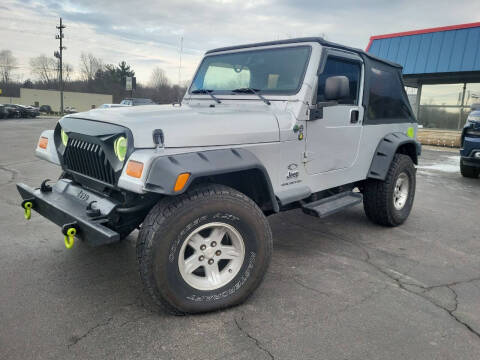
point(378, 195)
point(468, 171)
point(168, 225)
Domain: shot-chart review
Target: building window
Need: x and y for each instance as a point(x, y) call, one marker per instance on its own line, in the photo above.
point(472, 94)
point(442, 94)
point(446, 106)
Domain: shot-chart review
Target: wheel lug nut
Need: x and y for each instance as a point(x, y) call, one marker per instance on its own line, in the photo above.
point(201, 258)
point(213, 244)
point(218, 253)
point(210, 262)
point(202, 247)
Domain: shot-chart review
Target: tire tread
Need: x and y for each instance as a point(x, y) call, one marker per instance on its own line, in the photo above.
point(376, 193)
point(162, 212)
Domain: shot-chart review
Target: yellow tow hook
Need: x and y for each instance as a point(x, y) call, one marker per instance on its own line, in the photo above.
point(28, 209)
point(70, 237)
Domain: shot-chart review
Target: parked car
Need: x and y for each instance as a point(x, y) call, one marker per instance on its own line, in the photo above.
point(3, 112)
point(32, 111)
point(315, 126)
point(137, 102)
point(70, 110)
point(46, 109)
point(27, 111)
point(470, 151)
point(108, 106)
point(35, 110)
point(13, 111)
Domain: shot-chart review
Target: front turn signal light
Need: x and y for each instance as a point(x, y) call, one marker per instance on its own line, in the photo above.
point(181, 181)
point(43, 142)
point(134, 169)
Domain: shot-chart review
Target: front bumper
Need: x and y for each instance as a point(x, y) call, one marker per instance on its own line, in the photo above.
point(471, 161)
point(470, 152)
point(66, 204)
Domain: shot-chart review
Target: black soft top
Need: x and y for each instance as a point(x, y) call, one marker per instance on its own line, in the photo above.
point(319, 40)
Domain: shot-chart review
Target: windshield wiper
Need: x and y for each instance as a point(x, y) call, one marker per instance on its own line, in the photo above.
point(252, 91)
point(207, 91)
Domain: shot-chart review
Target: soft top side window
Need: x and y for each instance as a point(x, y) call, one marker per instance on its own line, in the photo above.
point(337, 66)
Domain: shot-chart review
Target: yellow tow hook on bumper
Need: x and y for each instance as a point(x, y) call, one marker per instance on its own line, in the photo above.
point(69, 231)
point(70, 238)
point(27, 206)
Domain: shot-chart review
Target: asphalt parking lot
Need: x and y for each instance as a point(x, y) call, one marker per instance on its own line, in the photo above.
point(340, 288)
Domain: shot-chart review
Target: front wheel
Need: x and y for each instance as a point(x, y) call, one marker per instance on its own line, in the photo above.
point(204, 250)
point(390, 201)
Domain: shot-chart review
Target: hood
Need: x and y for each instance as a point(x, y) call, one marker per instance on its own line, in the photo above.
point(190, 126)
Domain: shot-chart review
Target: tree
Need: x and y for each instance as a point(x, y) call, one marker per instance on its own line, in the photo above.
point(44, 68)
point(8, 62)
point(89, 66)
point(67, 72)
point(158, 79)
point(28, 84)
point(124, 70)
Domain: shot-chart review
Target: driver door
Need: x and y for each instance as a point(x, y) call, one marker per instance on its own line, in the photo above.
point(334, 130)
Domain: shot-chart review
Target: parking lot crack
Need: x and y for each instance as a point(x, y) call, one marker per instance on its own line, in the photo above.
point(13, 174)
point(76, 339)
point(454, 283)
point(417, 289)
point(258, 344)
point(309, 287)
point(422, 294)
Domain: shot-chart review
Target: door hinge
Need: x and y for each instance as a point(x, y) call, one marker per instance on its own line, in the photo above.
point(306, 155)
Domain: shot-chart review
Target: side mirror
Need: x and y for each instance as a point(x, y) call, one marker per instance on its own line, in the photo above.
point(337, 88)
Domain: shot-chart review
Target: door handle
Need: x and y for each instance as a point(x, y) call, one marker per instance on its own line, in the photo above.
point(354, 116)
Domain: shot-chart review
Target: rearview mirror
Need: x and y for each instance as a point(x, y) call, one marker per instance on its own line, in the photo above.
point(337, 88)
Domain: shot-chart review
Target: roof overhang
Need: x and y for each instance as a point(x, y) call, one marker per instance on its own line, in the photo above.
point(422, 31)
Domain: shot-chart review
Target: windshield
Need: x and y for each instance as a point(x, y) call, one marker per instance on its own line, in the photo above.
point(271, 71)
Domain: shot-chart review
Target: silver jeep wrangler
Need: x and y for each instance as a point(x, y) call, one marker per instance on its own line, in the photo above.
point(263, 128)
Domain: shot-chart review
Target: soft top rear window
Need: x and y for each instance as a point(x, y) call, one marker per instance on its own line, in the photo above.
point(386, 98)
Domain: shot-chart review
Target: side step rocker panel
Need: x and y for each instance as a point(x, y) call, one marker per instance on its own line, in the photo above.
point(332, 204)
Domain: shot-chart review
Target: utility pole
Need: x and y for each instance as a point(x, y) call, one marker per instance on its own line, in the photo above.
point(59, 56)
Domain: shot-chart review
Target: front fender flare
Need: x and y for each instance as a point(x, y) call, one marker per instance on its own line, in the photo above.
point(165, 169)
point(386, 150)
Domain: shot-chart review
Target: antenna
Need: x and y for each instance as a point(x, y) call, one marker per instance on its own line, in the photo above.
point(180, 63)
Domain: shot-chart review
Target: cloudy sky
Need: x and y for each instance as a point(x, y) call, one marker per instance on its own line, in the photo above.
point(147, 33)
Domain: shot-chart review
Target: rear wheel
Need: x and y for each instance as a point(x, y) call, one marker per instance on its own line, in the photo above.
point(468, 171)
point(389, 202)
point(204, 250)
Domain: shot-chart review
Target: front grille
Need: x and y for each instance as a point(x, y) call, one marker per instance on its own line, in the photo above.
point(88, 159)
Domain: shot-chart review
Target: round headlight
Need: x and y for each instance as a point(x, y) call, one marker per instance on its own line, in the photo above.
point(120, 147)
point(64, 137)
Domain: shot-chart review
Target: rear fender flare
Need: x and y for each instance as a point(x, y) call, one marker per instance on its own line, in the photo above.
point(386, 150)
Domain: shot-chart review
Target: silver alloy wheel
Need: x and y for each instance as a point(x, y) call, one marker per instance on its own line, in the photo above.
point(400, 193)
point(211, 256)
